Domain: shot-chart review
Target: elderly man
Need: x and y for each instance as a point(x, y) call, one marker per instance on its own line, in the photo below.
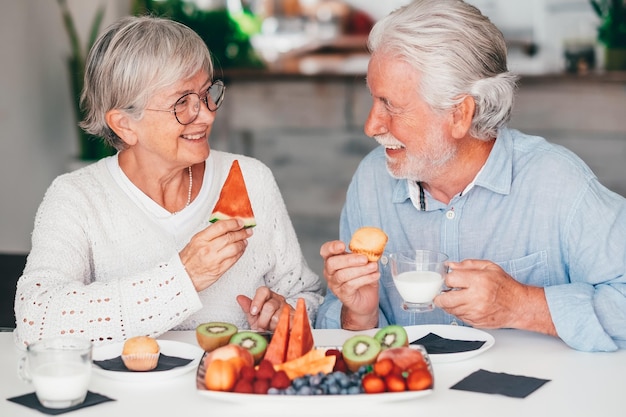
point(537, 243)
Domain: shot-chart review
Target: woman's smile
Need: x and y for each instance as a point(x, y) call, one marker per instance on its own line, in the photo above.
point(194, 136)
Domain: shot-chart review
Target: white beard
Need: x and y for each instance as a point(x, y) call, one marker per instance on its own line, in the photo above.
point(426, 165)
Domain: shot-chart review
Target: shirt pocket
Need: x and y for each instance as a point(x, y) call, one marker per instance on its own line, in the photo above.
point(530, 270)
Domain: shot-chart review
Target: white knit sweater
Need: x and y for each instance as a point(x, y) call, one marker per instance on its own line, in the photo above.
point(102, 268)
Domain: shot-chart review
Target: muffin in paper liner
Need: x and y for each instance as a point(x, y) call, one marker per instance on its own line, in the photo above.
point(141, 361)
point(369, 241)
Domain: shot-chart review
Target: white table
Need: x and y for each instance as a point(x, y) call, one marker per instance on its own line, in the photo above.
point(581, 384)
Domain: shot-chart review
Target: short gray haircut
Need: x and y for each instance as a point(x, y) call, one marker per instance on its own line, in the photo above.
point(458, 52)
point(132, 60)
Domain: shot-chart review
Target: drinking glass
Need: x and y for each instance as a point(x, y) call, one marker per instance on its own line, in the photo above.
point(419, 276)
point(60, 370)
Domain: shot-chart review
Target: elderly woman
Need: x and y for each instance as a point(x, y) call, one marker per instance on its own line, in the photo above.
point(124, 247)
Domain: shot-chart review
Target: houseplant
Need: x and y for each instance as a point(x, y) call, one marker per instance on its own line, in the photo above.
point(612, 31)
point(225, 26)
point(90, 147)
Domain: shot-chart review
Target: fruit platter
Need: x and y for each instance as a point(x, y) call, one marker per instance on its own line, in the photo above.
point(285, 365)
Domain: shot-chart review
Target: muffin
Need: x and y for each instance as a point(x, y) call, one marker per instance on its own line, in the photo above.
point(369, 241)
point(141, 353)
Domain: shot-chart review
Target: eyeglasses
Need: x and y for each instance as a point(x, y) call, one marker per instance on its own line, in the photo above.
point(187, 108)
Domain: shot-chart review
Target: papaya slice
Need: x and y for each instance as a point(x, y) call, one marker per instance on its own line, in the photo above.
point(302, 361)
point(277, 349)
point(233, 201)
point(301, 336)
point(294, 370)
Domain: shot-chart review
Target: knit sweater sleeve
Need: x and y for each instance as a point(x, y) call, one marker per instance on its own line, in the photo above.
point(83, 230)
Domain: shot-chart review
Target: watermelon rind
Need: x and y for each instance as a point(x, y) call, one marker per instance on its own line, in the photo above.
point(247, 221)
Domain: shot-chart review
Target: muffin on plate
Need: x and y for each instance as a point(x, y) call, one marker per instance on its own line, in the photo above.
point(369, 241)
point(141, 353)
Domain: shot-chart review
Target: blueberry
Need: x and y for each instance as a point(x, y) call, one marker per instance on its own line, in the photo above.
point(334, 389)
point(354, 390)
point(299, 382)
point(315, 380)
point(305, 390)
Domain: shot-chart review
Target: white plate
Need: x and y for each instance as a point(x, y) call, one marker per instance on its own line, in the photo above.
point(303, 399)
point(336, 337)
point(168, 347)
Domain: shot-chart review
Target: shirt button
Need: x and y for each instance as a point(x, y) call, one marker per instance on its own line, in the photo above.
point(450, 214)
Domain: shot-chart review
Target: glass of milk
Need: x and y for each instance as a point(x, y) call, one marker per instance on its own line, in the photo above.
point(419, 276)
point(60, 370)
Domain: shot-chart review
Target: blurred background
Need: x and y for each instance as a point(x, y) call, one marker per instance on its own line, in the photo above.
point(296, 96)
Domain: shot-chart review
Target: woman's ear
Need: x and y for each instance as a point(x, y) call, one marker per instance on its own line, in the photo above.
point(462, 117)
point(119, 122)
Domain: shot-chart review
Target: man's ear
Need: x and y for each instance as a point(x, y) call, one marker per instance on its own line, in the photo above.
point(462, 117)
point(119, 122)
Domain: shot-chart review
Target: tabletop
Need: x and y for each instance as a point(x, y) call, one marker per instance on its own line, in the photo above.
point(580, 384)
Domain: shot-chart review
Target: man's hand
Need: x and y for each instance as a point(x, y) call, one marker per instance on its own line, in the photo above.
point(355, 282)
point(484, 295)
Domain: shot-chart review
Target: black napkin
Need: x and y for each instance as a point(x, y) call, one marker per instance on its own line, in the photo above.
point(31, 401)
point(499, 383)
point(165, 363)
point(437, 344)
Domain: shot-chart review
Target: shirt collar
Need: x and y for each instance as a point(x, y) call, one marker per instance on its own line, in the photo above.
point(497, 173)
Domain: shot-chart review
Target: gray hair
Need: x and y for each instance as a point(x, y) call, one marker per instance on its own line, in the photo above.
point(132, 60)
point(458, 52)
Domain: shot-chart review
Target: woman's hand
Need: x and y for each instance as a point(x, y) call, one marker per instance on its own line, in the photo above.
point(354, 281)
point(213, 251)
point(264, 310)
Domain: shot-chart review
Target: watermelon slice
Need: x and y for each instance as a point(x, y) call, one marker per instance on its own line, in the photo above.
point(277, 348)
point(233, 201)
point(300, 336)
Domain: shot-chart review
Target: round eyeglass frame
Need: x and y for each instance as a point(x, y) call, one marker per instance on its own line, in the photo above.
point(217, 101)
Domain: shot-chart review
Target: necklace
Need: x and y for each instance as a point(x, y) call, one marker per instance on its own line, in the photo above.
point(190, 186)
point(188, 192)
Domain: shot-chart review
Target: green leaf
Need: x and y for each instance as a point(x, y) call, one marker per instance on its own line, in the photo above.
point(68, 22)
point(95, 27)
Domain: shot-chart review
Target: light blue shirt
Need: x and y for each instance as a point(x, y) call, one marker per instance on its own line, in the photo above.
point(535, 209)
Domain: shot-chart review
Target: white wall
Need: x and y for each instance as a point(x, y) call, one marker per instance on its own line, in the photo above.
point(36, 121)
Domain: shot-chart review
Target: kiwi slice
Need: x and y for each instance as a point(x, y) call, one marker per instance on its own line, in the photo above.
point(392, 336)
point(254, 342)
point(214, 334)
point(360, 350)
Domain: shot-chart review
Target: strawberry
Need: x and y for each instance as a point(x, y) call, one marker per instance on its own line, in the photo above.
point(248, 373)
point(419, 379)
point(280, 380)
point(373, 384)
point(395, 383)
point(243, 386)
point(265, 370)
point(260, 386)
